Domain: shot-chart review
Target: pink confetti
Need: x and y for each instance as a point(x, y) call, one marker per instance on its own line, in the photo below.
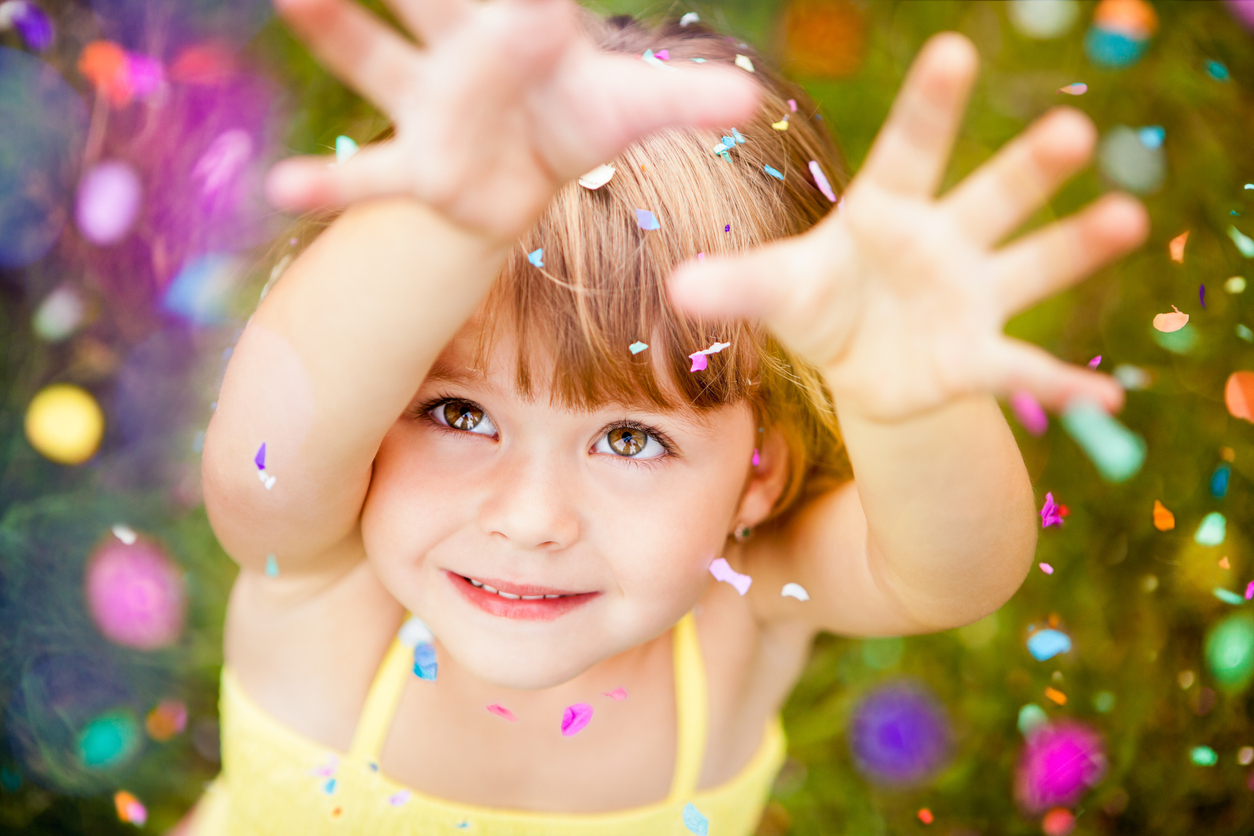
point(399, 798)
point(792, 105)
point(1249, 591)
point(1029, 412)
point(502, 711)
point(700, 256)
point(1050, 512)
point(575, 717)
point(1095, 362)
point(1077, 89)
point(820, 179)
point(662, 54)
point(620, 694)
point(699, 361)
point(756, 458)
point(722, 571)
point(1047, 569)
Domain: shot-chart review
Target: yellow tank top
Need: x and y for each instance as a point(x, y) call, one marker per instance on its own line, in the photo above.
point(276, 782)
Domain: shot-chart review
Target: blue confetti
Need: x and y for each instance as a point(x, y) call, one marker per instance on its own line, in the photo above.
point(694, 821)
point(1217, 70)
point(736, 134)
point(647, 220)
point(1219, 481)
point(425, 666)
point(345, 149)
point(272, 566)
point(329, 786)
point(1228, 597)
point(1153, 136)
point(638, 347)
point(1047, 644)
point(536, 257)
point(773, 173)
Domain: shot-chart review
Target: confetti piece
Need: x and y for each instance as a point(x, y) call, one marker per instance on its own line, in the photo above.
point(1219, 481)
point(773, 172)
point(925, 816)
point(1056, 695)
point(536, 257)
point(1203, 756)
point(130, 810)
point(1176, 247)
point(272, 566)
point(1236, 284)
point(700, 256)
point(1116, 451)
point(744, 63)
point(1095, 362)
point(502, 711)
point(1212, 530)
point(757, 459)
point(637, 347)
point(1239, 395)
point(1201, 295)
point(345, 149)
point(260, 458)
point(399, 798)
point(699, 361)
point(1046, 568)
point(1164, 520)
point(663, 55)
point(1217, 70)
point(266, 479)
point(647, 220)
point(1029, 412)
point(329, 787)
point(1223, 562)
point(1046, 644)
point(1168, 322)
point(820, 180)
point(1249, 591)
point(736, 135)
point(792, 105)
point(425, 665)
point(414, 632)
point(124, 533)
point(597, 177)
point(722, 571)
point(694, 821)
point(165, 721)
point(794, 590)
point(617, 695)
point(327, 768)
point(1244, 244)
point(650, 58)
point(727, 227)
point(1078, 88)
point(782, 124)
point(1228, 597)
point(691, 17)
point(575, 717)
point(1049, 512)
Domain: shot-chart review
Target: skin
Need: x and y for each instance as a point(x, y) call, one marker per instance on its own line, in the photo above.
point(936, 530)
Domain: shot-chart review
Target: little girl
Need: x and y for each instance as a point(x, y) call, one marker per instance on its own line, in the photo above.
point(535, 526)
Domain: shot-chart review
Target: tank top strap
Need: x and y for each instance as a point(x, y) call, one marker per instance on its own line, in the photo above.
point(691, 707)
point(381, 702)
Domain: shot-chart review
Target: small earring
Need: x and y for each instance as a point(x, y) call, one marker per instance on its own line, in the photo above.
point(743, 533)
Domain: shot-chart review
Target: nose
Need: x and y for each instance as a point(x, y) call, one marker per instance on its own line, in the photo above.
point(529, 503)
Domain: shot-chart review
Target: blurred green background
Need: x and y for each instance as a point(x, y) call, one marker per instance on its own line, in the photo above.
point(1137, 602)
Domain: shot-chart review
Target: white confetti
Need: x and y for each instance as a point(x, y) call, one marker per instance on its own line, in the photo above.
point(124, 533)
point(795, 590)
point(597, 177)
point(691, 17)
point(744, 63)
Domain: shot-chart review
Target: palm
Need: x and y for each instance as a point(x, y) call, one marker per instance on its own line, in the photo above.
point(505, 101)
point(901, 297)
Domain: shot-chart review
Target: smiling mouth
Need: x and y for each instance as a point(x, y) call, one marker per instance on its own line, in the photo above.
point(509, 596)
point(519, 601)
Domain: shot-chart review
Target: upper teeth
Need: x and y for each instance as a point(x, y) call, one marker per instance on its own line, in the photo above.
point(511, 596)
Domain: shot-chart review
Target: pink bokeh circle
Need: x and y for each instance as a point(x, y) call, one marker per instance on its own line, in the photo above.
point(1243, 10)
point(135, 595)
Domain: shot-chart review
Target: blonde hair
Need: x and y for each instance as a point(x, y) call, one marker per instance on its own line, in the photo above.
point(603, 284)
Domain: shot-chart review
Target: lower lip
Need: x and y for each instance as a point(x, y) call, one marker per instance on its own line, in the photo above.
point(545, 609)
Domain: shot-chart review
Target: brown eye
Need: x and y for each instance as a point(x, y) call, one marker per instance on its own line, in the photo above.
point(461, 415)
point(627, 441)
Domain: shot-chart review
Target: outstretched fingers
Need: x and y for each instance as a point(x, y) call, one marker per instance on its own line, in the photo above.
point(306, 183)
point(1060, 255)
point(429, 19)
point(360, 49)
point(1016, 366)
point(912, 150)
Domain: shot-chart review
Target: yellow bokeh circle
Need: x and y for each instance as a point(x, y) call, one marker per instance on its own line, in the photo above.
point(64, 423)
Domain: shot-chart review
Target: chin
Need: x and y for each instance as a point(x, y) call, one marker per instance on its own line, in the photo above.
point(529, 669)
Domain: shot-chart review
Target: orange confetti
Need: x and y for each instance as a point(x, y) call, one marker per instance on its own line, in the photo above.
point(1056, 695)
point(1135, 18)
point(1223, 562)
point(166, 720)
point(1239, 395)
point(1164, 520)
point(1176, 247)
point(1228, 454)
point(1169, 322)
point(103, 63)
point(925, 816)
point(129, 808)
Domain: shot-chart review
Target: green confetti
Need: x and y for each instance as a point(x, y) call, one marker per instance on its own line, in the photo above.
point(1204, 756)
point(1229, 597)
point(1229, 650)
point(1212, 530)
point(1244, 332)
point(1244, 244)
point(1116, 451)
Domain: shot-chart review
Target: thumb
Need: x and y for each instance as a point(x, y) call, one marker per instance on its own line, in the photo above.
point(742, 285)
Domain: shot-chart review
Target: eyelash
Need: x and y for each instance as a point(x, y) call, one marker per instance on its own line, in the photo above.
point(423, 413)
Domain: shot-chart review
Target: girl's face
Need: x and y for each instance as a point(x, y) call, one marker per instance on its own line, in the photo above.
point(619, 511)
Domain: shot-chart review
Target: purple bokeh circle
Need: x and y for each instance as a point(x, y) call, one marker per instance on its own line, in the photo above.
point(899, 734)
point(109, 199)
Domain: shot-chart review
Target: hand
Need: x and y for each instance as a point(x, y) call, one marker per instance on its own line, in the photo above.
point(900, 298)
point(505, 101)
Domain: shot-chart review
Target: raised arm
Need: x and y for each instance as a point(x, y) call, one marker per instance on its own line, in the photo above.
point(505, 101)
point(900, 299)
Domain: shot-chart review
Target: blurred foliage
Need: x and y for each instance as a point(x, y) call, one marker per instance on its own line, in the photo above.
point(1137, 602)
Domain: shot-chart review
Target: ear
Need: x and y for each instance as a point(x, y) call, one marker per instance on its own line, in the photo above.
point(766, 480)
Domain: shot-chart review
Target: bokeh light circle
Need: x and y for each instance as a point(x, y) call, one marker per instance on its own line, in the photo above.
point(1125, 158)
point(1230, 651)
point(135, 594)
point(109, 199)
point(1059, 762)
point(1043, 19)
point(899, 734)
point(43, 124)
point(64, 423)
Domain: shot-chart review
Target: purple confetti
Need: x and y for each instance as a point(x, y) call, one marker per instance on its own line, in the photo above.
point(575, 717)
point(260, 458)
point(727, 228)
point(647, 220)
point(1050, 514)
point(33, 24)
point(1201, 294)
